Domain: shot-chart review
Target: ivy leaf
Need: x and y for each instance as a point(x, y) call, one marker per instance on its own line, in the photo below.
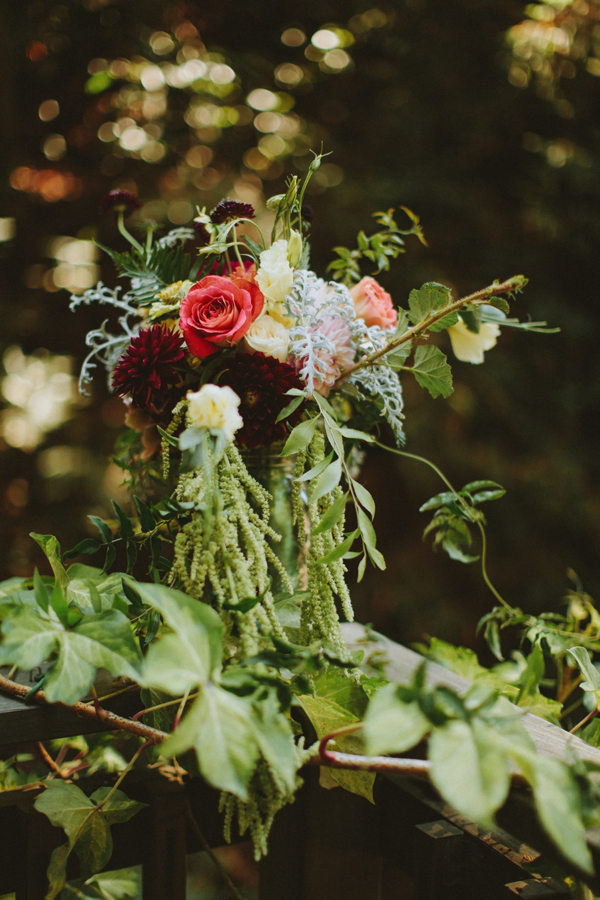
point(558, 803)
point(326, 716)
point(469, 769)
point(189, 619)
point(432, 371)
point(51, 548)
point(426, 300)
point(87, 827)
point(104, 640)
point(393, 725)
point(219, 726)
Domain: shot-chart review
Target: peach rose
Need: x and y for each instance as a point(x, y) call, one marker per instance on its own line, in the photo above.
point(217, 312)
point(373, 304)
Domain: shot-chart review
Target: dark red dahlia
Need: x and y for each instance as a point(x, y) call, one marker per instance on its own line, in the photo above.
point(202, 235)
point(121, 201)
point(231, 209)
point(147, 370)
point(261, 383)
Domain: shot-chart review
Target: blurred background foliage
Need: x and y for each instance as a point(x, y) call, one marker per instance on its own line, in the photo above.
point(480, 115)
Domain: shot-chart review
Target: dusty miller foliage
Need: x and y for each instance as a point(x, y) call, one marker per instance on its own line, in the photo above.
point(312, 301)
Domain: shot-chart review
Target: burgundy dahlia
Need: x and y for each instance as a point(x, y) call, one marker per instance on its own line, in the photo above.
point(147, 370)
point(121, 201)
point(231, 209)
point(202, 235)
point(261, 383)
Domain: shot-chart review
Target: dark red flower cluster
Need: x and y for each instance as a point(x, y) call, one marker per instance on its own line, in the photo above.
point(147, 370)
point(261, 383)
point(231, 209)
point(121, 201)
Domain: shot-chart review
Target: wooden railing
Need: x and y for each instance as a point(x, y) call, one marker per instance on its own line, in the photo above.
point(328, 845)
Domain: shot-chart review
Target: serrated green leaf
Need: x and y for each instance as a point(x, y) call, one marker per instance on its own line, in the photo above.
point(121, 884)
point(499, 303)
point(396, 358)
point(469, 769)
point(426, 300)
point(393, 725)
point(432, 371)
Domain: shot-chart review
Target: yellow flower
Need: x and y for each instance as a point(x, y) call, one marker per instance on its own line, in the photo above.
point(469, 346)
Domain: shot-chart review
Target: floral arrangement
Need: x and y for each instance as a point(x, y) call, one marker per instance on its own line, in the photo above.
point(242, 352)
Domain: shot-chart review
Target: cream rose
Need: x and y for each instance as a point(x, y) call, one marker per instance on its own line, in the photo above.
point(469, 346)
point(267, 335)
point(215, 407)
point(275, 278)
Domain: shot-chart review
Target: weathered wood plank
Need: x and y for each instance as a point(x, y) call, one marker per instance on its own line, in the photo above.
point(549, 739)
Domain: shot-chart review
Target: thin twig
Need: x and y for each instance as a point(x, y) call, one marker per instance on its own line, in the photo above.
point(50, 762)
point(111, 720)
point(516, 283)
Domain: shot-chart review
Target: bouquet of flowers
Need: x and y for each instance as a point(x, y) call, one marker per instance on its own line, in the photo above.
point(237, 350)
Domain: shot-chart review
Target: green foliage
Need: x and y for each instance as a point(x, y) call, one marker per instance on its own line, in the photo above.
point(455, 511)
point(386, 244)
point(473, 741)
point(86, 822)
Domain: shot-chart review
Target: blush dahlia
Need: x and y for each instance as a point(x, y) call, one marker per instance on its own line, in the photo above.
point(147, 370)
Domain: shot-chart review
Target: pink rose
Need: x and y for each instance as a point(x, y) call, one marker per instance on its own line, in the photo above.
point(373, 304)
point(218, 311)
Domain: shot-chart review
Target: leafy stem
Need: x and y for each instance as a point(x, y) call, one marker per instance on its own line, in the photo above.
point(463, 503)
point(516, 283)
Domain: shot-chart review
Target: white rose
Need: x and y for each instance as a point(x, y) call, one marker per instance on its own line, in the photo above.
point(275, 278)
point(267, 335)
point(215, 407)
point(469, 346)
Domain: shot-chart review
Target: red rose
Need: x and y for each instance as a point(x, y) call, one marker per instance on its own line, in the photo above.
point(218, 311)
